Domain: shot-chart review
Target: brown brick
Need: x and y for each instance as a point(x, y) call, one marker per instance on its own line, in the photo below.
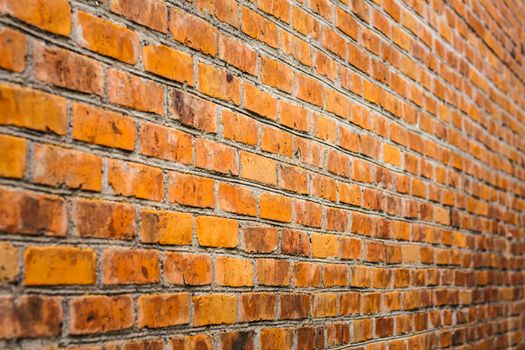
point(193, 111)
point(129, 90)
point(135, 180)
point(107, 38)
point(198, 341)
point(165, 227)
point(310, 338)
point(59, 265)
point(308, 213)
point(8, 263)
point(193, 32)
point(260, 239)
point(214, 309)
point(54, 17)
point(236, 199)
point(103, 219)
point(128, 266)
point(165, 143)
point(273, 272)
point(294, 242)
point(306, 274)
point(191, 190)
point(100, 313)
point(150, 13)
point(335, 275)
point(238, 340)
point(294, 306)
point(163, 310)
point(350, 303)
point(216, 232)
point(13, 50)
point(257, 306)
point(168, 63)
point(187, 269)
point(233, 272)
point(324, 305)
point(103, 127)
point(276, 339)
point(32, 109)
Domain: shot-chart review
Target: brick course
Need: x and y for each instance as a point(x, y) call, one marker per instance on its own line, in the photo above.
point(270, 174)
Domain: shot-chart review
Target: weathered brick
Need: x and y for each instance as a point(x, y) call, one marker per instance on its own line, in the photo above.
point(309, 89)
point(277, 74)
point(293, 178)
point(294, 306)
point(325, 246)
point(107, 38)
point(219, 83)
point(100, 313)
point(278, 8)
point(260, 239)
point(260, 102)
point(193, 31)
point(198, 341)
point(135, 180)
point(103, 219)
point(304, 23)
point(239, 128)
point(273, 272)
point(224, 10)
point(187, 269)
point(306, 274)
point(258, 27)
point(236, 199)
point(168, 63)
point(54, 17)
point(8, 263)
point(191, 190)
point(32, 109)
point(163, 310)
point(216, 232)
point(257, 306)
point(277, 141)
point(238, 54)
point(216, 157)
point(150, 13)
point(165, 143)
point(165, 227)
point(59, 265)
point(131, 91)
point(233, 272)
point(193, 111)
point(13, 50)
point(294, 242)
point(128, 266)
point(103, 127)
point(324, 305)
point(236, 340)
point(294, 116)
point(214, 309)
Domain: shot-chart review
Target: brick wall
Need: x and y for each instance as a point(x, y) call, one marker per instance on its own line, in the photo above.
point(269, 174)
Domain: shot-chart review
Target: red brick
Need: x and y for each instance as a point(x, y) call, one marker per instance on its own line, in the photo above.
point(260, 239)
point(258, 168)
point(276, 339)
point(187, 269)
point(131, 91)
point(150, 13)
point(335, 275)
point(198, 341)
point(294, 306)
point(135, 180)
point(214, 309)
point(191, 190)
point(306, 274)
point(349, 194)
point(168, 63)
point(193, 31)
point(59, 265)
point(293, 178)
point(103, 219)
point(30, 316)
point(273, 272)
point(238, 340)
point(100, 313)
point(165, 227)
point(128, 266)
point(54, 17)
point(163, 310)
point(350, 248)
point(275, 207)
point(219, 83)
point(165, 143)
point(236, 199)
point(324, 305)
point(108, 38)
point(239, 55)
point(308, 213)
point(217, 232)
point(13, 50)
point(304, 23)
point(295, 242)
point(216, 157)
point(258, 27)
point(32, 109)
point(310, 338)
point(277, 141)
point(143, 345)
point(338, 334)
point(233, 272)
point(257, 307)
point(277, 74)
point(193, 111)
point(103, 127)
point(350, 303)
point(240, 128)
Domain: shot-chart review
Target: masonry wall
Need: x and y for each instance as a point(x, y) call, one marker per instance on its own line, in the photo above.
point(269, 174)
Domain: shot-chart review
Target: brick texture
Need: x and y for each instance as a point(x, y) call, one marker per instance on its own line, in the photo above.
point(270, 174)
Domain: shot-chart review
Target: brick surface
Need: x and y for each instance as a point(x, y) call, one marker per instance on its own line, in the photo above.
point(218, 174)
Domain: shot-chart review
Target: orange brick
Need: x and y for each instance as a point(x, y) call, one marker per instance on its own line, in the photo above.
point(239, 55)
point(294, 116)
point(360, 276)
point(260, 102)
point(236, 199)
point(191, 190)
point(325, 127)
point(52, 167)
point(258, 27)
point(295, 47)
point(219, 83)
point(324, 65)
point(346, 23)
point(108, 38)
point(30, 316)
point(214, 309)
point(150, 13)
point(100, 313)
point(275, 207)
point(304, 23)
point(257, 306)
point(294, 242)
point(12, 156)
point(217, 232)
point(130, 266)
point(131, 91)
point(224, 10)
point(324, 305)
point(338, 163)
point(325, 246)
point(8, 263)
point(216, 156)
point(239, 128)
point(336, 220)
point(59, 265)
point(135, 180)
point(308, 213)
point(198, 341)
point(187, 269)
point(54, 17)
point(193, 31)
point(260, 239)
point(163, 310)
point(336, 103)
point(306, 274)
point(277, 141)
point(258, 168)
point(349, 194)
point(391, 154)
point(13, 50)
point(293, 178)
point(349, 303)
point(273, 272)
point(168, 63)
point(165, 227)
point(276, 338)
point(193, 111)
point(103, 127)
point(309, 89)
point(362, 329)
point(278, 8)
point(233, 272)
point(165, 143)
point(277, 74)
point(350, 248)
point(142, 344)
point(32, 109)
point(103, 219)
